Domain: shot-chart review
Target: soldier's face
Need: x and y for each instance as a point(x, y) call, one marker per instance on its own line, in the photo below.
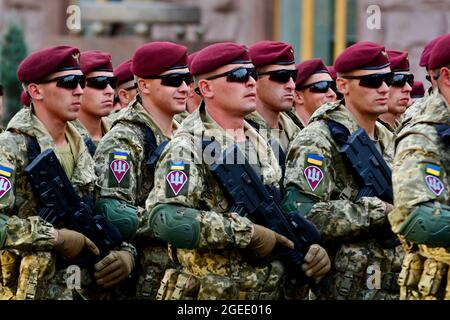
point(311, 100)
point(171, 100)
point(399, 98)
point(62, 103)
point(275, 95)
point(97, 102)
point(368, 101)
point(235, 98)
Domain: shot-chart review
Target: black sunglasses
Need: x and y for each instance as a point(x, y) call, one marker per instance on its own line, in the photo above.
point(373, 81)
point(281, 76)
point(174, 79)
point(400, 80)
point(101, 82)
point(319, 87)
point(240, 74)
point(70, 81)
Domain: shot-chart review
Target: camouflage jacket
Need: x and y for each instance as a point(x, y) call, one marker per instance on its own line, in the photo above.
point(315, 168)
point(296, 118)
point(285, 134)
point(422, 167)
point(125, 142)
point(26, 233)
point(223, 234)
point(106, 126)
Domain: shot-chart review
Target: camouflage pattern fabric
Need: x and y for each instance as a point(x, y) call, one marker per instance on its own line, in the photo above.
point(181, 116)
point(285, 134)
point(106, 126)
point(120, 164)
point(315, 168)
point(217, 268)
point(418, 150)
point(29, 238)
point(296, 118)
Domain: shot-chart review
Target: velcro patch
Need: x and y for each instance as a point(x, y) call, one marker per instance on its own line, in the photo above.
point(177, 179)
point(5, 186)
point(5, 171)
point(314, 176)
point(119, 169)
point(435, 184)
point(315, 159)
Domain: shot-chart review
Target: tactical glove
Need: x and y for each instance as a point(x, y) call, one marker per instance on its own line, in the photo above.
point(264, 240)
point(70, 243)
point(114, 268)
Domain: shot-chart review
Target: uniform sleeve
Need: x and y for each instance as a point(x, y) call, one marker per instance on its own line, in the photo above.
point(23, 234)
point(118, 165)
point(181, 179)
point(312, 169)
point(418, 174)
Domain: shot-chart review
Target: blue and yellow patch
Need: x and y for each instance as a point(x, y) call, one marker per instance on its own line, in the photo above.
point(315, 159)
point(120, 155)
point(177, 165)
point(5, 171)
point(433, 170)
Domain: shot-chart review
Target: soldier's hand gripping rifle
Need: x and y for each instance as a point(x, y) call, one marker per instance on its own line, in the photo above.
point(61, 205)
point(249, 197)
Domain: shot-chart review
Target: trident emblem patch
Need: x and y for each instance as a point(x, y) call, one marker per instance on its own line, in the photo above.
point(5, 186)
point(314, 176)
point(119, 168)
point(177, 179)
point(435, 184)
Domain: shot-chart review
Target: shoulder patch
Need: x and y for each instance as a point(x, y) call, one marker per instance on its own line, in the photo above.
point(5, 186)
point(434, 184)
point(177, 179)
point(315, 159)
point(314, 176)
point(433, 170)
point(5, 171)
point(119, 168)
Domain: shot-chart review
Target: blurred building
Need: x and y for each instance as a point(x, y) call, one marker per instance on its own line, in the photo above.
point(316, 28)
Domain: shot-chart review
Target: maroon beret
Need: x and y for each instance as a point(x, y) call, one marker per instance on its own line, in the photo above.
point(123, 72)
point(268, 52)
point(425, 56)
point(154, 58)
point(440, 55)
point(25, 99)
point(43, 63)
point(363, 55)
point(418, 90)
point(191, 58)
point(399, 60)
point(332, 72)
point(217, 55)
point(91, 61)
point(307, 68)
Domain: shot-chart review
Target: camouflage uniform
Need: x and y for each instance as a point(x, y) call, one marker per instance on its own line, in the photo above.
point(421, 175)
point(27, 257)
point(315, 169)
point(106, 126)
point(284, 134)
point(296, 118)
point(133, 185)
point(217, 267)
point(181, 116)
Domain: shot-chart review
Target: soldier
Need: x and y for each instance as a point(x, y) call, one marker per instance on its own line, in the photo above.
point(275, 64)
point(324, 188)
point(1, 102)
point(421, 181)
point(194, 98)
point(188, 209)
point(400, 92)
point(125, 158)
point(97, 102)
point(54, 81)
point(333, 74)
point(313, 88)
point(126, 89)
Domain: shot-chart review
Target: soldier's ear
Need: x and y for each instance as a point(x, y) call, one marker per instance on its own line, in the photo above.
point(35, 91)
point(143, 86)
point(205, 87)
point(298, 98)
point(342, 85)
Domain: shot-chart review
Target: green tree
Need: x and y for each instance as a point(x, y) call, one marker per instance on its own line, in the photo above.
point(12, 51)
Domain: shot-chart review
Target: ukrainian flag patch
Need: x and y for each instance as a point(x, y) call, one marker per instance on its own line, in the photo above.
point(177, 165)
point(315, 159)
point(5, 171)
point(120, 155)
point(433, 170)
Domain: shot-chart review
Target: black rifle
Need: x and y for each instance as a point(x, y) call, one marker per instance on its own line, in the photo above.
point(249, 197)
point(372, 173)
point(62, 206)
